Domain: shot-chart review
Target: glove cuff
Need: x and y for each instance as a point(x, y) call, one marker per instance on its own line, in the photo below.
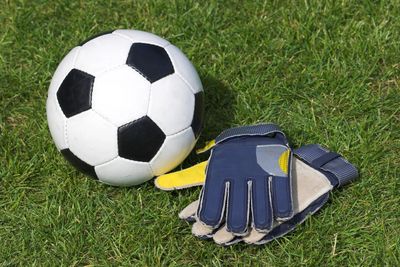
point(253, 130)
point(338, 169)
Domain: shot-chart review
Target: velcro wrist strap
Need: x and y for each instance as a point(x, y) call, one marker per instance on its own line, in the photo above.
point(321, 158)
point(253, 130)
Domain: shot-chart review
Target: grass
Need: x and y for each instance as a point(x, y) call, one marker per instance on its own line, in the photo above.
point(327, 71)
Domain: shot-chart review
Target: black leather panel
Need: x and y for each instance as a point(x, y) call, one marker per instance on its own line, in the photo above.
point(78, 163)
point(197, 122)
point(75, 93)
point(140, 140)
point(149, 60)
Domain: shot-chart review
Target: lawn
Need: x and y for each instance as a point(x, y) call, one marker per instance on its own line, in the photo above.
point(327, 72)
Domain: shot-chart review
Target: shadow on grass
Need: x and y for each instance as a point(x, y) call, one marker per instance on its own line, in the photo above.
point(219, 115)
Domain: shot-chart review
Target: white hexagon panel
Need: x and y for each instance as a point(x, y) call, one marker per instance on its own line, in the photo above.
point(102, 53)
point(174, 150)
point(121, 95)
point(124, 172)
point(142, 37)
point(57, 127)
point(91, 138)
point(184, 68)
point(171, 104)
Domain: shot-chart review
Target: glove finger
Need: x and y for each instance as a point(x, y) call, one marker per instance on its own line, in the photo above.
point(238, 207)
point(224, 237)
point(212, 202)
point(282, 198)
point(276, 161)
point(282, 188)
point(189, 212)
point(254, 236)
point(202, 231)
point(261, 205)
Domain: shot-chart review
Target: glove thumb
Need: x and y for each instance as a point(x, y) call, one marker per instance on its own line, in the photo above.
point(185, 178)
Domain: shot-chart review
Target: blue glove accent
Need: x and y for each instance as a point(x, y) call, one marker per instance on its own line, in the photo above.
point(252, 130)
point(338, 170)
point(248, 174)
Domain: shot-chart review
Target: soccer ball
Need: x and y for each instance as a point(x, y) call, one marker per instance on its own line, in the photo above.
point(125, 106)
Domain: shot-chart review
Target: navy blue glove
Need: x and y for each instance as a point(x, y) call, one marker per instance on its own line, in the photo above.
point(315, 173)
point(248, 180)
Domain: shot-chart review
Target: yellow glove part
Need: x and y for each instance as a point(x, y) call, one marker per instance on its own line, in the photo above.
point(185, 178)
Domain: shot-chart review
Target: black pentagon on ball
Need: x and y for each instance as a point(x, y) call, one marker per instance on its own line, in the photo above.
point(140, 140)
point(197, 122)
point(78, 163)
point(75, 93)
point(151, 61)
